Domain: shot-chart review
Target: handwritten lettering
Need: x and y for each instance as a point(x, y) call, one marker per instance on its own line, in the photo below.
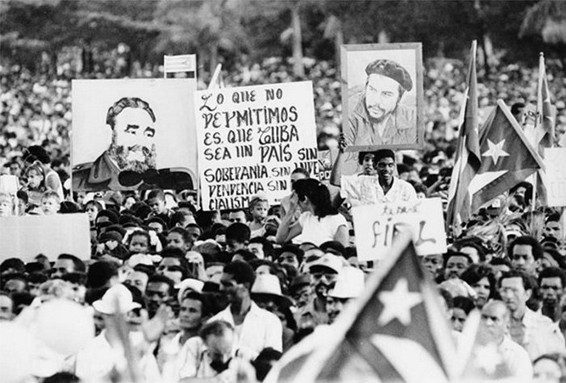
point(239, 135)
point(278, 133)
point(271, 94)
point(243, 96)
point(217, 154)
point(279, 153)
point(235, 173)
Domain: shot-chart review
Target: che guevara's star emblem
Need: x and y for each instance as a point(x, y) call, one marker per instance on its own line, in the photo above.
point(495, 150)
point(397, 303)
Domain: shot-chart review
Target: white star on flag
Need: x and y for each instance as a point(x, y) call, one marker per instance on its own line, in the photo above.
point(397, 303)
point(495, 150)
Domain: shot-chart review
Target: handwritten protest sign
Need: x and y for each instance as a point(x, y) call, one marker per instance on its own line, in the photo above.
point(250, 139)
point(25, 237)
point(377, 225)
point(555, 177)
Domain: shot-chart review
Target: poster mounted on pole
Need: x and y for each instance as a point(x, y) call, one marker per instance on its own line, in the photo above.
point(382, 98)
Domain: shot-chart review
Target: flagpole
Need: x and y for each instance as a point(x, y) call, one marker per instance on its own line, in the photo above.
point(541, 74)
point(533, 201)
point(467, 138)
point(214, 82)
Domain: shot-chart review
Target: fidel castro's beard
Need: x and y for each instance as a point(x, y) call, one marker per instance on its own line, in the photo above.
point(135, 158)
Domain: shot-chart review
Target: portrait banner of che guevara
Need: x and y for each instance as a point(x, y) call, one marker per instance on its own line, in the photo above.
point(382, 96)
point(133, 134)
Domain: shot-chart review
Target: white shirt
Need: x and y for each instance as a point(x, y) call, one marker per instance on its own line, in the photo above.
point(366, 190)
point(319, 230)
point(260, 329)
point(98, 358)
point(360, 189)
point(401, 191)
point(516, 359)
point(193, 360)
point(542, 336)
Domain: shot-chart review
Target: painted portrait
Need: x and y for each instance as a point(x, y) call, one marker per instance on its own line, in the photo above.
point(133, 134)
point(382, 96)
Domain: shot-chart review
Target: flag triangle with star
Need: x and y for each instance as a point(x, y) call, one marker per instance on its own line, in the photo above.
point(400, 321)
point(395, 332)
point(507, 157)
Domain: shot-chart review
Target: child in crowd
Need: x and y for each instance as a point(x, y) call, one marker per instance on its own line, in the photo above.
point(92, 208)
point(35, 184)
point(156, 200)
point(50, 202)
point(110, 243)
point(259, 206)
point(6, 205)
point(139, 242)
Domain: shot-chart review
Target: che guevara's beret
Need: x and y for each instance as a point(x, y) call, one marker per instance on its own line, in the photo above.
point(391, 69)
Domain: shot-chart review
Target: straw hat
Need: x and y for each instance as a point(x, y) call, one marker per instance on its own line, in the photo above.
point(267, 285)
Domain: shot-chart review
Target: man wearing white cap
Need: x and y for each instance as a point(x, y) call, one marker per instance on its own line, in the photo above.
point(349, 285)
point(324, 272)
point(105, 353)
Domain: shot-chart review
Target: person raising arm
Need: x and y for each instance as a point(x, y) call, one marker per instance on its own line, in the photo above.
point(319, 222)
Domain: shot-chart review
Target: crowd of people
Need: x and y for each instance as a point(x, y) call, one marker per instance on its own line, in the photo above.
point(184, 294)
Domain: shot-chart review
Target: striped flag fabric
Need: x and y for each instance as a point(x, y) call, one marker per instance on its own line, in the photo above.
point(468, 157)
point(545, 113)
point(507, 157)
point(544, 129)
point(395, 332)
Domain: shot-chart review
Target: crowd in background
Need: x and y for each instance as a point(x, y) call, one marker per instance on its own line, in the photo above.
point(197, 286)
point(36, 109)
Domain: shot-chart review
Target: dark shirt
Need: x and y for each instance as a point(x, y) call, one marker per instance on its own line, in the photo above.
point(104, 174)
point(401, 127)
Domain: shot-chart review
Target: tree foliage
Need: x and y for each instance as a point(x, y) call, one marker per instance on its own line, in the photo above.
point(546, 19)
point(224, 30)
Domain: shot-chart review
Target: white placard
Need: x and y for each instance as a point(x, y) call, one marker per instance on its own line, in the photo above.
point(26, 237)
point(9, 184)
point(555, 177)
point(250, 139)
point(376, 226)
